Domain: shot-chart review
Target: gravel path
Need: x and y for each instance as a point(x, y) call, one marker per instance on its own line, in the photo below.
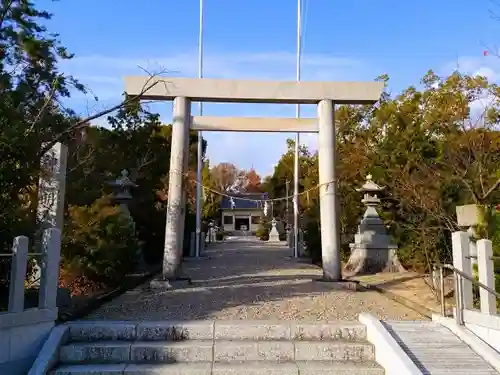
point(245, 280)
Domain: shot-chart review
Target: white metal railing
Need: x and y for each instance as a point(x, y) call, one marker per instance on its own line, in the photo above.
point(458, 278)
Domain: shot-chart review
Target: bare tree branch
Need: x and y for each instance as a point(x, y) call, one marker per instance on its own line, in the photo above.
point(84, 122)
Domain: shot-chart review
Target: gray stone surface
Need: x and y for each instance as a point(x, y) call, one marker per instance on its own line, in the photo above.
point(114, 369)
point(274, 235)
point(249, 280)
point(174, 225)
point(333, 351)
point(22, 336)
point(328, 197)
point(236, 90)
point(18, 268)
point(257, 368)
point(86, 331)
point(181, 351)
point(372, 251)
point(49, 354)
point(171, 331)
point(204, 368)
point(274, 351)
point(341, 368)
point(206, 347)
point(251, 330)
point(260, 368)
point(250, 124)
point(95, 352)
point(329, 331)
point(52, 187)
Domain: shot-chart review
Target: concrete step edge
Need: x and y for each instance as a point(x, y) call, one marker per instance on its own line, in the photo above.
point(178, 331)
point(196, 343)
point(207, 368)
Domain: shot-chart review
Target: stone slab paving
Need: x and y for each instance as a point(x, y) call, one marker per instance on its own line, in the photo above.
point(251, 280)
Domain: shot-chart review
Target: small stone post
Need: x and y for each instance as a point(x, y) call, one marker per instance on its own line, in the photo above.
point(49, 280)
point(210, 231)
point(486, 276)
point(18, 274)
point(372, 251)
point(461, 261)
point(467, 218)
point(213, 232)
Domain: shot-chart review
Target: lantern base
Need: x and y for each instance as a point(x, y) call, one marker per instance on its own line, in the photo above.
point(368, 260)
point(169, 284)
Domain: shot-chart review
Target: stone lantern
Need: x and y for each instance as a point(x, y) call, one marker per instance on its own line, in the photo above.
point(121, 191)
point(274, 235)
point(121, 196)
point(372, 250)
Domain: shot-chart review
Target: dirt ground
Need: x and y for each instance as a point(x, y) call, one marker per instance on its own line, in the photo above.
point(411, 286)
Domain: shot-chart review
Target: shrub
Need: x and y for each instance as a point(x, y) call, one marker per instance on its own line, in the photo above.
point(99, 243)
point(312, 240)
point(263, 231)
point(189, 227)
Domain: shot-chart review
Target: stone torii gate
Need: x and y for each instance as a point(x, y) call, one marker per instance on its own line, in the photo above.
point(184, 91)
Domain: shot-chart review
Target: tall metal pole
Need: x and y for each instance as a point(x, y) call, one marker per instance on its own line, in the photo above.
point(287, 183)
point(199, 169)
point(297, 140)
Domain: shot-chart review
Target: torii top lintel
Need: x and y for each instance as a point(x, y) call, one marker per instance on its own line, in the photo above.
point(252, 91)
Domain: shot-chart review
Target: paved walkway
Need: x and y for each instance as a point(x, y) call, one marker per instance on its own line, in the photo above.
point(246, 280)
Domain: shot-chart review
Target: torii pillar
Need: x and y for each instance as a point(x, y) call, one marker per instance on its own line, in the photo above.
point(328, 197)
point(174, 227)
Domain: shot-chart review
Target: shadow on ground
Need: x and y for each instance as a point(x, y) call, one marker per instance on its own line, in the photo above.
point(248, 281)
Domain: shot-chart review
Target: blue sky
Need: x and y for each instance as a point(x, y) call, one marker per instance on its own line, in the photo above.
point(342, 40)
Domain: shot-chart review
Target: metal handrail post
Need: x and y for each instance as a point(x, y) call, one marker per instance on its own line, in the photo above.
point(441, 291)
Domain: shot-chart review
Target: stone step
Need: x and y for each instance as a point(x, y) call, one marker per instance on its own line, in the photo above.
point(220, 351)
point(283, 351)
point(218, 330)
point(139, 351)
point(243, 368)
point(260, 331)
point(147, 331)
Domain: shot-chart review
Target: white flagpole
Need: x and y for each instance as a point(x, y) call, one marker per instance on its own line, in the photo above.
point(199, 169)
point(297, 140)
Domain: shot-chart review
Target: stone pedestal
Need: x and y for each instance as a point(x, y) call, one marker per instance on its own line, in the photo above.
point(274, 235)
point(372, 251)
point(168, 284)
